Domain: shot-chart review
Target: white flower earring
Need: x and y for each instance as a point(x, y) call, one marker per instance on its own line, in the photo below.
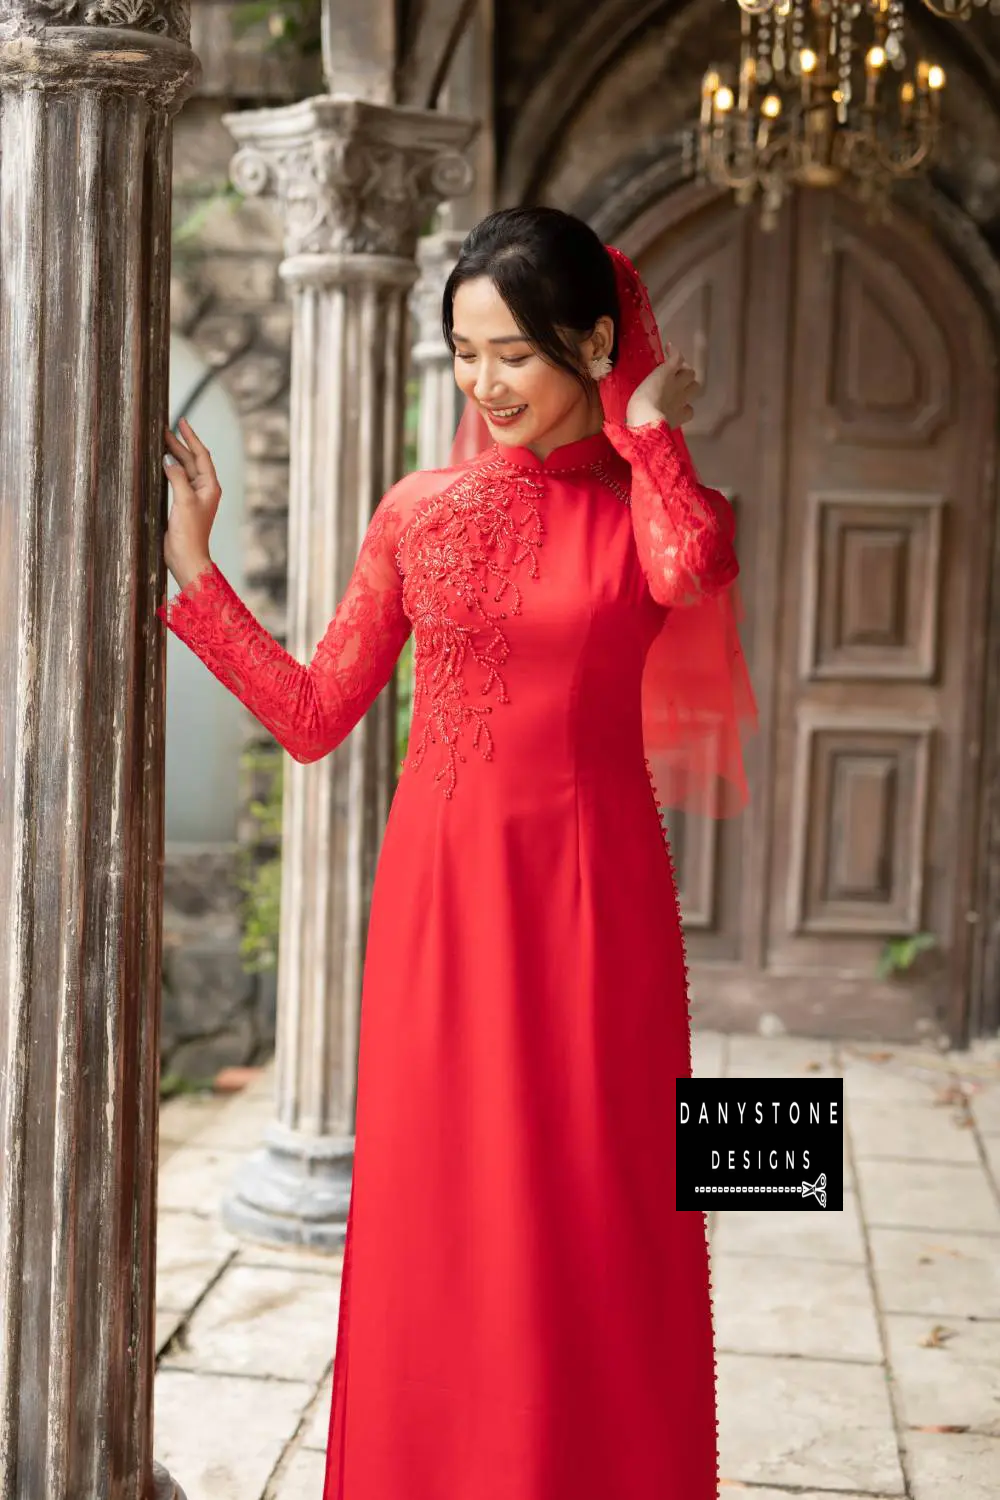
point(600, 367)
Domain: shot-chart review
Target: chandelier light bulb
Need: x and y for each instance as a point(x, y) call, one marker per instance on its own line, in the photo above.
point(811, 103)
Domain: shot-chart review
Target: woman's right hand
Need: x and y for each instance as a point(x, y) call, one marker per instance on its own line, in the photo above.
point(196, 496)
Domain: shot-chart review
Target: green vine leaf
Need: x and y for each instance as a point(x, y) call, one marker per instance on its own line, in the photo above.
point(899, 955)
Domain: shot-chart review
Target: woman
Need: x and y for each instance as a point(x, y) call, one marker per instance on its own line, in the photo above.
point(524, 1314)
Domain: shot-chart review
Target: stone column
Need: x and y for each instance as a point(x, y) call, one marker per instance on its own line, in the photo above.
point(86, 94)
point(439, 396)
point(355, 182)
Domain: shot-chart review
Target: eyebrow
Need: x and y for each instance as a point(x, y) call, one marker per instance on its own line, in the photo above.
point(513, 338)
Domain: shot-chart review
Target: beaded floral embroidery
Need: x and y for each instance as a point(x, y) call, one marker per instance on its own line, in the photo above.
point(457, 558)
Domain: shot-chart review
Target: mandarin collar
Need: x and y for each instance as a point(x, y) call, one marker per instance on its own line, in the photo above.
point(576, 455)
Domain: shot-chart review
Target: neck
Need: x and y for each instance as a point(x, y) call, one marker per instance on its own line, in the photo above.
point(585, 420)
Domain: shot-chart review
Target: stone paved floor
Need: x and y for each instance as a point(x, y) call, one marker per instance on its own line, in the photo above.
point(858, 1354)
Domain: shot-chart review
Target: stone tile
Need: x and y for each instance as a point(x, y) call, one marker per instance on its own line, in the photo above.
point(755, 1492)
point(317, 1425)
point(920, 1133)
point(196, 1180)
point(954, 1382)
point(937, 1274)
point(165, 1151)
point(991, 1149)
point(819, 1309)
point(793, 1234)
point(807, 1423)
point(953, 1466)
point(708, 1053)
point(258, 1321)
point(779, 1057)
point(190, 1252)
point(918, 1195)
point(239, 1127)
point(291, 1258)
point(221, 1436)
point(906, 1076)
point(985, 1106)
point(300, 1479)
point(186, 1114)
point(167, 1324)
point(263, 1086)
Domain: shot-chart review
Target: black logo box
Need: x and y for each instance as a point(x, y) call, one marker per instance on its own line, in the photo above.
point(760, 1143)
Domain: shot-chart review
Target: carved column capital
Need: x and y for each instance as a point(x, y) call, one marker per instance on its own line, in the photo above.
point(436, 255)
point(170, 18)
point(139, 47)
point(351, 177)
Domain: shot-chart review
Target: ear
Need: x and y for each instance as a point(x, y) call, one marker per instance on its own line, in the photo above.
point(600, 341)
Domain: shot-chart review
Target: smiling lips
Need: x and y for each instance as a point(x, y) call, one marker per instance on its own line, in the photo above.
point(502, 416)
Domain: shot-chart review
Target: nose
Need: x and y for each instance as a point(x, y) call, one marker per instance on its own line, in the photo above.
point(487, 381)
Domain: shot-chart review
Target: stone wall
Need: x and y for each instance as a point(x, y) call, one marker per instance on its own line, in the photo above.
point(215, 1014)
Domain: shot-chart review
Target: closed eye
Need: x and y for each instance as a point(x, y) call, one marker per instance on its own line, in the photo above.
point(510, 359)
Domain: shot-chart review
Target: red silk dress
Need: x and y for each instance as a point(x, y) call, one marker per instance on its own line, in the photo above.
point(524, 1314)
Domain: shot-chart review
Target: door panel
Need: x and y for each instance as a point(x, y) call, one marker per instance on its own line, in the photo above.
point(706, 289)
point(847, 405)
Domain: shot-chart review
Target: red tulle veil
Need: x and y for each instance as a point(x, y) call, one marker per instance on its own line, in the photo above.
point(697, 701)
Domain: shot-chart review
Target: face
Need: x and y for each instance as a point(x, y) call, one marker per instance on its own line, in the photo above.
point(526, 401)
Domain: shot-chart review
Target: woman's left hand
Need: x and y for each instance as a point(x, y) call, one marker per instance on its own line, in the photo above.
point(665, 394)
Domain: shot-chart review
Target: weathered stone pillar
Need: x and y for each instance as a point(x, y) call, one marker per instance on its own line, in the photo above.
point(355, 182)
point(86, 94)
point(439, 396)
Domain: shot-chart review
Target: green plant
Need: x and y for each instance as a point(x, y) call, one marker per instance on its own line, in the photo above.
point(292, 25)
point(207, 198)
point(260, 874)
point(172, 1085)
point(899, 955)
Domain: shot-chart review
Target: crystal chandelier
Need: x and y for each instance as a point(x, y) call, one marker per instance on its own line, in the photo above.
point(959, 10)
point(824, 95)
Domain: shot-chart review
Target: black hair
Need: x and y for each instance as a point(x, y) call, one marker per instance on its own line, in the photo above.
point(551, 270)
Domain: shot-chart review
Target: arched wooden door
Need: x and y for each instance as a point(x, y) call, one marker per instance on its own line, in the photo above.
point(849, 410)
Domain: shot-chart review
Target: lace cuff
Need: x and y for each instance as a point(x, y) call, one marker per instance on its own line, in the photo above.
point(309, 709)
point(684, 531)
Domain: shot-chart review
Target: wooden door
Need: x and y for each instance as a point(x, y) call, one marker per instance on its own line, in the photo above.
point(848, 411)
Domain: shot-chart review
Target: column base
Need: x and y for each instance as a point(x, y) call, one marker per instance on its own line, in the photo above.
point(164, 1487)
point(295, 1191)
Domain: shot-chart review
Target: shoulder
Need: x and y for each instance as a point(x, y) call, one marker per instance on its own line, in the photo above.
point(407, 495)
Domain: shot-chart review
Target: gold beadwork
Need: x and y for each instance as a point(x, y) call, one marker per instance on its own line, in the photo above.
point(480, 528)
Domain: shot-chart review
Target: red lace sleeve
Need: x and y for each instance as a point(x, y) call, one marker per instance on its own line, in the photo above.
point(309, 709)
point(684, 532)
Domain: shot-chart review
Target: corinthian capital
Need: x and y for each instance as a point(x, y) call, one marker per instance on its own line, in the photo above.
point(166, 17)
point(436, 255)
point(351, 177)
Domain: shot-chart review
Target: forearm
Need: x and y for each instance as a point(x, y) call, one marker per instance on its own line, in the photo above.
point(684, 530)
point(310, 709)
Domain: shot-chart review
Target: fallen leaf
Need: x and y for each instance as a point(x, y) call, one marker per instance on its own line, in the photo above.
point(938, 1335)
